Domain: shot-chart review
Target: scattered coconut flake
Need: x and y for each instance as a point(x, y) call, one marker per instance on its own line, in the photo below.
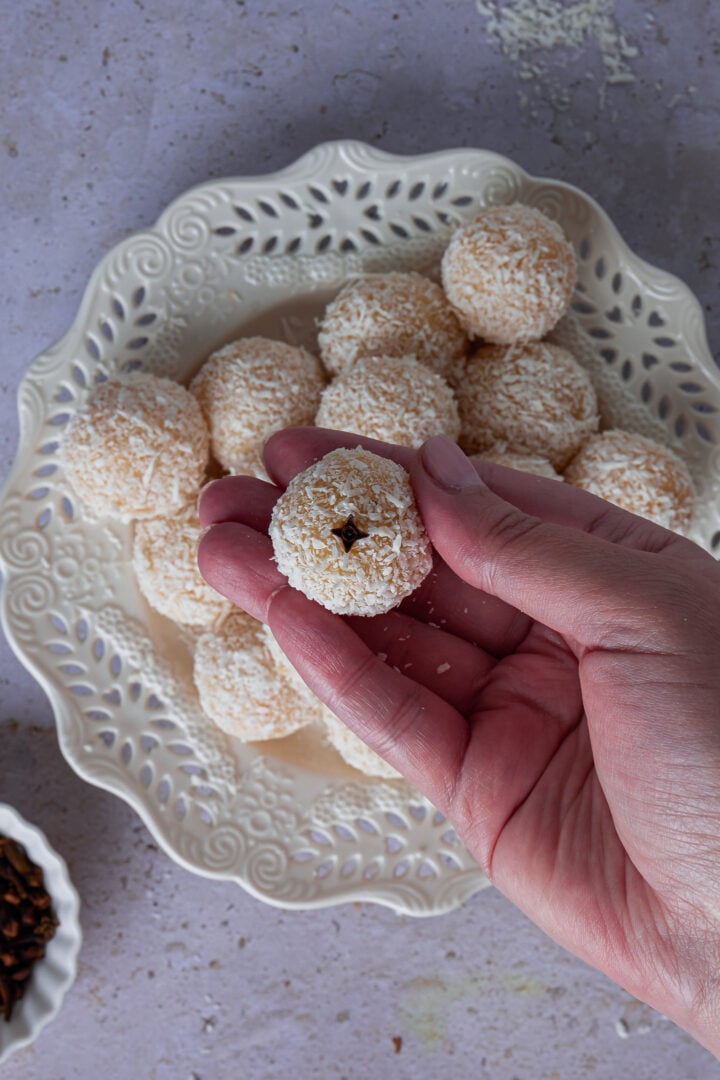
point(524, 30)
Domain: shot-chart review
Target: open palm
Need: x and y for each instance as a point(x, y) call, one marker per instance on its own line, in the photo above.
point(552, 687)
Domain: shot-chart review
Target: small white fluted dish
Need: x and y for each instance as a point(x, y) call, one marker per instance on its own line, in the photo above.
point(52, 976)
point(287, 821)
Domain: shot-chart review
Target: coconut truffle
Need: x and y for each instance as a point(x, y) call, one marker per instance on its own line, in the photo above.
point(240, 686)
point(137, 448)
point(347, 533)
point(637, 474)
point(524, 462)
point(353, 750)
point(165, 564)
point(509, 274)
point(533, 397)
point(391, 314)
point(390, 398)
point(251, 388)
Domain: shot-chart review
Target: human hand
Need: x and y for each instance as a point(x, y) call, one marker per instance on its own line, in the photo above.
point(553, 689)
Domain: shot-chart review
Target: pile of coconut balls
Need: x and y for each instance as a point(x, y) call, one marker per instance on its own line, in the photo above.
point(401, 359)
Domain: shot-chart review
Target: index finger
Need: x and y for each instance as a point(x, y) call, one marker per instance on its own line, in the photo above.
point(442, 600)
point(290, 451)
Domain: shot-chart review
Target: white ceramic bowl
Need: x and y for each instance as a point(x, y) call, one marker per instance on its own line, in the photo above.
point(263, 255)
point(55, 973)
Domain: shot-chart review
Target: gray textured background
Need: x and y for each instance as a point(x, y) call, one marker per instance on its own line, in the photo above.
point(109, 110)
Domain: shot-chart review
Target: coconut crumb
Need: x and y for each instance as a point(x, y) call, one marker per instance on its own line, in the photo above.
point(528, 31)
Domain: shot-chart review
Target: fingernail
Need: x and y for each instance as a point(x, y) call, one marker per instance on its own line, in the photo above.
point(209, 484)
point(448, 466)
point(205, 488)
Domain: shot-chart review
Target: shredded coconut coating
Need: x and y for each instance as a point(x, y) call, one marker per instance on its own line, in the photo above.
point(353, 750)
point(517, 459)
point(533, 397)
point(165, 564)
point(137, 448)
point(392, 314)
point(509, 274)
point(636, 474)
point(240, 686)
point(390, 398)
point(251, 388)
point(379, 569)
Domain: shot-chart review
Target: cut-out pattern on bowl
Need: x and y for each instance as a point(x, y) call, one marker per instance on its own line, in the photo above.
point(264, 255)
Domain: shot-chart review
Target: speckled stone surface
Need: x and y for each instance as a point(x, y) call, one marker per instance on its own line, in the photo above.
point(108, 112)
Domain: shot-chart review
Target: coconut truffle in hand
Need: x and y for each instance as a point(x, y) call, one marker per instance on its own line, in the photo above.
point(392, 315)
point(137, 448)
point(390, 398)
point(251, 388)
point(636, 474)
point(240, 685)
point(509, 274)
point(533, 397)
point(165, 564)
point(347, 533)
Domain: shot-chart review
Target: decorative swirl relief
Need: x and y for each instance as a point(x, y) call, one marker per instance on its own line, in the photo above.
point(500, 184)
point(32, 596)
point(22, 547)
point(144, 257)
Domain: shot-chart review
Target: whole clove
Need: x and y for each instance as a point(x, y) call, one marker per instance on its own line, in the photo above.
point(27, 922)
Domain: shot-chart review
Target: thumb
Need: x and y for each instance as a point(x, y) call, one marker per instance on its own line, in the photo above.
point(576, 583)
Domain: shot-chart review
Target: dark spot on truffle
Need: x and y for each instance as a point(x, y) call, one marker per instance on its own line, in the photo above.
point(349, 533)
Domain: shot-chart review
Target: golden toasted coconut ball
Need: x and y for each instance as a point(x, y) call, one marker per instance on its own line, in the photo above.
point(391, 315)
point(137, 448)
point(521, 460)
point(532, 397)
point(353, 750)
point(240, 686)
point(348, 534)
point(390, 398)
point(251, 388)
point(637, 474)
point(509, 274)
point(165, 564)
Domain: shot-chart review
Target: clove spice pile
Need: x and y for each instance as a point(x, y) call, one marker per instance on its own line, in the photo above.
point(27, 921)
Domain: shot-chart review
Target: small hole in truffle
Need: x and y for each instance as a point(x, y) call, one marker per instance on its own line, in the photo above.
point(349, 533)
